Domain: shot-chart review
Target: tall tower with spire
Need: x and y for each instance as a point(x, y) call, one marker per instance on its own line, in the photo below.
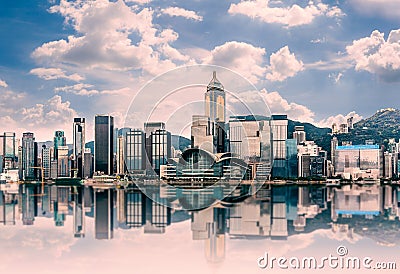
point(215, 110)
point(215, 100)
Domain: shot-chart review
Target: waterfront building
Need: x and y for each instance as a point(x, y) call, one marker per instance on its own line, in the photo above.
point(29, 157)
point(62, 162)
point(201, 136)
point(215, 110)
point(135, 151)
point(47, 157)
point(279, 127)
point(299, 134)
point(358, 161)
point(251, 140)
point(78, 148)
point(8, 150)
point(59, 140)
point(104, 144)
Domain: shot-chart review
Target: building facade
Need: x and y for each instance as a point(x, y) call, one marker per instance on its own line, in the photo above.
point(358, 161)
point(78, 145)
point(29, 157)
point(135, 151)
point(104, 144)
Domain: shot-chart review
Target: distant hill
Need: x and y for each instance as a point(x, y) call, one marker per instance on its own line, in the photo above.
point(319, 135)
point(379, 128)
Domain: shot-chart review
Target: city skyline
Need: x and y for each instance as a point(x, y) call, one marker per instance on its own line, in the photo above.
point(248, 147)
point(201, 136)
point(313, 60)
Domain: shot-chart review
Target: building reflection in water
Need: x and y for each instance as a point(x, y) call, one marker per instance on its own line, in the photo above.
point(273, 212)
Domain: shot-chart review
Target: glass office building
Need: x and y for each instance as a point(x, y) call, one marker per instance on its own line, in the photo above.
point(103, 144)
point(79, 145)
point(160, 148)
point(135, 150)
point(362, 157)
point(29, 156)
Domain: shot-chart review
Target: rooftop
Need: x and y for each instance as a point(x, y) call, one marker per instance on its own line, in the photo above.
point(215, 84)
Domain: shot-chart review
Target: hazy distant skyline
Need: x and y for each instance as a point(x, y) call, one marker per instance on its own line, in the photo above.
point(315, 60)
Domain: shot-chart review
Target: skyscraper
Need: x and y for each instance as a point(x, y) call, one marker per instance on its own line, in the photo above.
point(158, 145)
point(160, 148)
point(59, 140)
point(215, 109)
point(104, 144)
point(78, 145)
point(299, 134)
point(201, 135)
point(88, 164)
point(215, 100)
point(29, 156)
point(279, 126)
point(47, 156)
point(334, 144)
point(8, 145)
point(120, 155)
point(135, 150)
point(250, 138)
point(62, 161)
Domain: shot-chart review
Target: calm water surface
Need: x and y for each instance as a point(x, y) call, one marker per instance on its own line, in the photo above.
point(70, 229)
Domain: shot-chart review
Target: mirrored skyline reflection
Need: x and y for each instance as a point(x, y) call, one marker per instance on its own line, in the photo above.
point(85, 229)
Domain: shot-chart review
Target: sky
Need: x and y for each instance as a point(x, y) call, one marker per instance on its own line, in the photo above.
point(316, 61)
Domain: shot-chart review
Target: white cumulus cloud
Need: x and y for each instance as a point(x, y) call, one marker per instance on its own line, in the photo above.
point(385, 8)
point(52, 112)
point(288, 16)
point(188, 14)
point(82, 89)
point(283, 64)
point(55, 73)
point(339, 119)
point(140, 2)
point(241, 57)
point(377, 55)
point(103, 38)
point(3, 83)
point(279, 105)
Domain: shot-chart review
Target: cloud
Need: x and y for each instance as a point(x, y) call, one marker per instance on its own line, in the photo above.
point(241, 57)
point(103, 39)
point(377, 55)
point(336, 77)
point(53, 112)
point(339, 119)
point(78, 89)
point(283, 64)
point(141, 2)
point(279, 105)
point(288, 16)
point(89, 90)
point(188, 14)
point(3, 83)
point(10, 101)
point(385, 8)
point(55, 73)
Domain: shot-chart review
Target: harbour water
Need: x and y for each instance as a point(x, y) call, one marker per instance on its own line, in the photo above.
point(109, 229)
